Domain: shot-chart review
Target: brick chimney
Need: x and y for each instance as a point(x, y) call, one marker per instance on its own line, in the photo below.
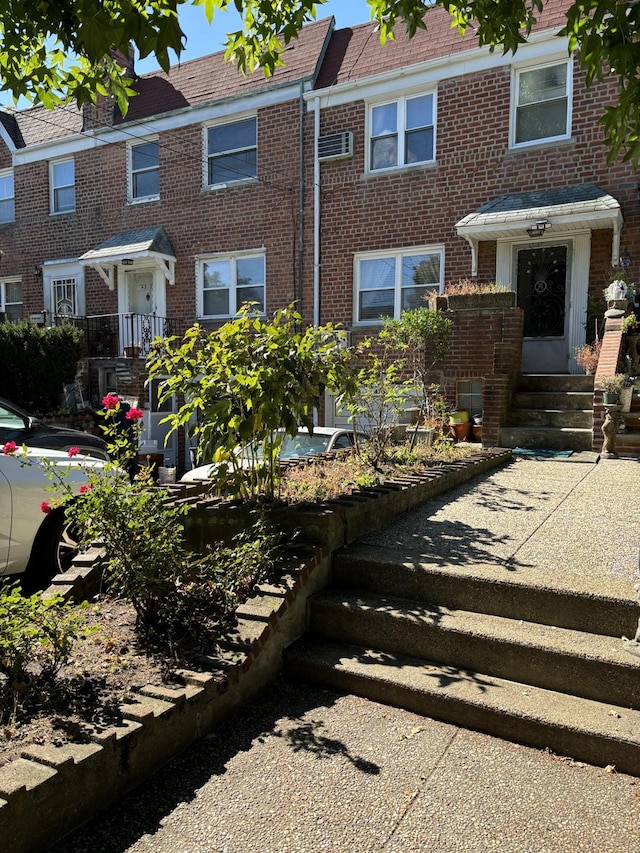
point(102, 113)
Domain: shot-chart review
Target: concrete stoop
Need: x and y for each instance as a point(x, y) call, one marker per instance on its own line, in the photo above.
point(51, 790)
point(516, 659)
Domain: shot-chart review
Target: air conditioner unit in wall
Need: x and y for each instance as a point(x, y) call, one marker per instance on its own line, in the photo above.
point(334, 145)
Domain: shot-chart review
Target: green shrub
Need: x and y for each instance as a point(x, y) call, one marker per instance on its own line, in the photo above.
point(36, 638)
point(37, 363)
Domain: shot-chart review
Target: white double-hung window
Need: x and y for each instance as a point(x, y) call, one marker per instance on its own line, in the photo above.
point(402, 132)
point(62, 184)
point(144, 170)
point(388, 283)
point(11, 299)
point(226, 282)
point(541, 103)
point(7, 199)
point(231, 152)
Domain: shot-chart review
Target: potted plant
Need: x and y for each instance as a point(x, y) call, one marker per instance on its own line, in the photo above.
point(587, 356)
point(611, 386)
point(631, 331)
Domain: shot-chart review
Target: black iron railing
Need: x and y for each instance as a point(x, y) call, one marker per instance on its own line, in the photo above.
point(118, 335)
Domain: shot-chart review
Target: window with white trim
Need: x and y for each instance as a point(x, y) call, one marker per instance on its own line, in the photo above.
point(7, 199)
point(65, 296)
point(542, 103)
point(389, 283)
point(226, 282)
point(144, 170)
point(231, 152)
point(62, 183)
point(11, 299)
point(401, 132)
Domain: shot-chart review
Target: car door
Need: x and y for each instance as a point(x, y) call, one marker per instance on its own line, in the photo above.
point(6, 516)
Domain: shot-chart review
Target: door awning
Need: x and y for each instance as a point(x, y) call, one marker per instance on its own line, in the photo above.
point(128, 247)
point(548, 211)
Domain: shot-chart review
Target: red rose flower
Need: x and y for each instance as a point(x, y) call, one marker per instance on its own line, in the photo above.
point(134, 414)
point(73, 451)
point(9, 448)
point(45, 507)
point(110, 401)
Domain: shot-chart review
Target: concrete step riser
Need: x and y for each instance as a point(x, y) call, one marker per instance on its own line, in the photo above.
point(549, 418)
point(549, 438)
point(556, 382)
point(609, 617)
point(560, 402)
point(529, 731)
point(409, 634)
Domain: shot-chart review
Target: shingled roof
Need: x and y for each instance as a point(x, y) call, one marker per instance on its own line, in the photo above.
point(355, 53)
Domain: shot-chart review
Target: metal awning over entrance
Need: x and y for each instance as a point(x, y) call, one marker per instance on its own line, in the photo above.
point(128, 247)
point(548, 211)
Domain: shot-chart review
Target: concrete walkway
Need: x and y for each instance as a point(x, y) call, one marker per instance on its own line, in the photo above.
point(306, 770)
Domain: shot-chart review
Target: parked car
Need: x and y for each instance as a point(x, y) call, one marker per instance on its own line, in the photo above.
point(34, 544)
point(303, 443)
point(21, 427)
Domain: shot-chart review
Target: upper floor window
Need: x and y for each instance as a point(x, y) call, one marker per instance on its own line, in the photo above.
point(144, 170)
point(232, 152)
point(11, 300)
point(402, 132)
point(388, 283)
point(542, 103)
point(7, 205)
point(225, 283)
point(63, 189)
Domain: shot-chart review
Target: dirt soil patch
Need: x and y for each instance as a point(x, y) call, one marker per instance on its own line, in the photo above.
point(104, 671)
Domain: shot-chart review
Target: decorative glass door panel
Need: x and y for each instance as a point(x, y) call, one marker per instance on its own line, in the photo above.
point(541, 279)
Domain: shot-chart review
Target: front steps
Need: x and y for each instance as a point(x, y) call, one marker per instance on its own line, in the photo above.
point(517, 660)
point(550, 411)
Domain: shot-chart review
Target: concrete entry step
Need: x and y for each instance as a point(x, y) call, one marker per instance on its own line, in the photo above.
point(568, 661)
point(556, 382)
point(549, 411)
point(550, 438)
point(597, 606)
point(595, 732)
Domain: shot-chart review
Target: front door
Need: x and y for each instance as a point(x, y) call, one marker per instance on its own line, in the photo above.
point(541, 284)
point(138, 321)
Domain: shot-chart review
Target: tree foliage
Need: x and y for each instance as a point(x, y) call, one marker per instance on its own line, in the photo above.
point(37, 39)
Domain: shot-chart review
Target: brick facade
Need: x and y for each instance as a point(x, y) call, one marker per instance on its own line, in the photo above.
point(358, 211)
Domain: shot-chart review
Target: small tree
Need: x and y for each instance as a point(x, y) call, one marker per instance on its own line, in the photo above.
point(246, 385)
point(423, 335)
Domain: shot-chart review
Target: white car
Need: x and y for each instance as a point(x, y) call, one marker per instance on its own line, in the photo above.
point(34, 544)
point(303, 443)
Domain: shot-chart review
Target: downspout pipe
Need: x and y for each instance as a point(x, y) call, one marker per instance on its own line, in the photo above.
point(316, 214)
point(301, 199)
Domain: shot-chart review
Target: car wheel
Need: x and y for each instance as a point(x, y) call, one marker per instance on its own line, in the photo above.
point(54, 548)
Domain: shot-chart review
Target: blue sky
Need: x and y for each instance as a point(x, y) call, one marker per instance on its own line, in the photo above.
point(203, 39)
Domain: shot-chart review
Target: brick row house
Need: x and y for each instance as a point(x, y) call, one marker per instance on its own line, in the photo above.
point(355, 181)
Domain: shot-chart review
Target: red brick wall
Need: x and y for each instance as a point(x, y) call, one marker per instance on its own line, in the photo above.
point(420, 205)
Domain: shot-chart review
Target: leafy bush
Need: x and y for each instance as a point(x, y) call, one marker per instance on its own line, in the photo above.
point(245, 381)
point(36, 638)
point(38, 362)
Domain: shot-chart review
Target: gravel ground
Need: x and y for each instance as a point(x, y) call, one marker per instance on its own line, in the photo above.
point(306, 770)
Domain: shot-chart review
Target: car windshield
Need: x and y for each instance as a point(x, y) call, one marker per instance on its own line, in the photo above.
point(297, 445)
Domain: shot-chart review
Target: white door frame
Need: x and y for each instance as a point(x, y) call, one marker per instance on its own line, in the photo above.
point(579, 243)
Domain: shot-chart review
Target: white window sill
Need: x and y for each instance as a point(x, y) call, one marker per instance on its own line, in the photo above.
point(146, 198)
point(395, 170)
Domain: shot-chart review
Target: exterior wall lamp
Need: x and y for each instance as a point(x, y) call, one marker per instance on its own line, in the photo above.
point(539, 228)
point(127, 262)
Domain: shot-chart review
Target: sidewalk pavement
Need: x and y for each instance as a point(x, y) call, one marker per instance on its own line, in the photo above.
point(305, 770)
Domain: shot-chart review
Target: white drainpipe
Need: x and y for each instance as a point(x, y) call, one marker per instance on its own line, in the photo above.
point(316, 215)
